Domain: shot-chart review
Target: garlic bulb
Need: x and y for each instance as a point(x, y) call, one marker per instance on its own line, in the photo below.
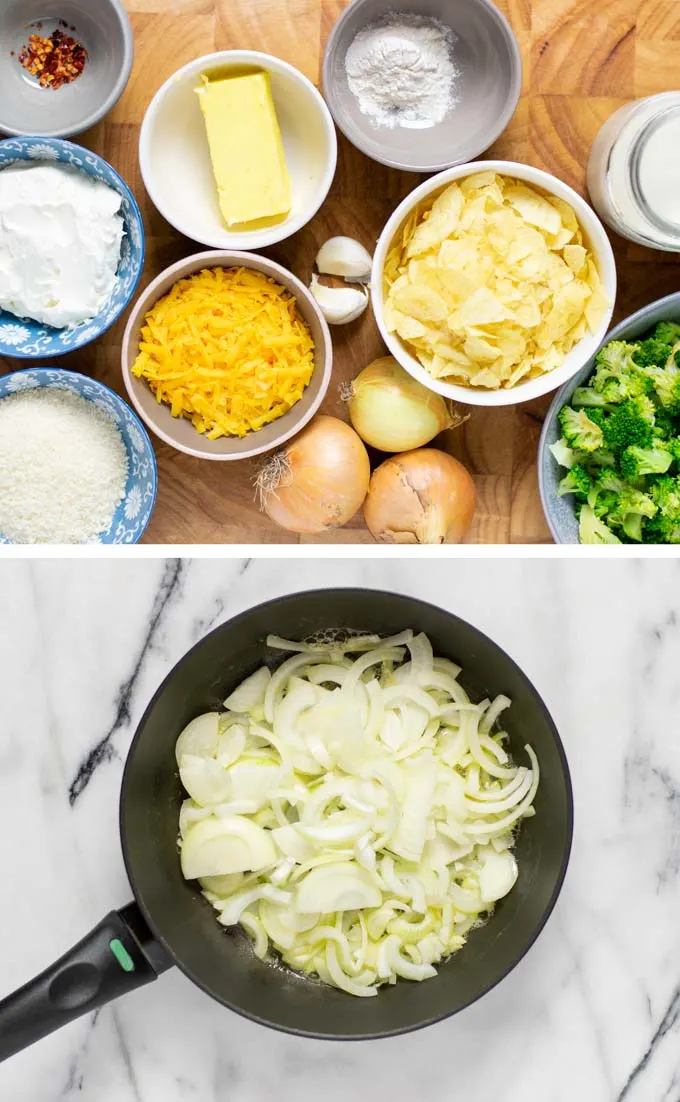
point(339, 305)
point(345, 257)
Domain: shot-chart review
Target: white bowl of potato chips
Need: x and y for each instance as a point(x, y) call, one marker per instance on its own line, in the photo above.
point(493, 283)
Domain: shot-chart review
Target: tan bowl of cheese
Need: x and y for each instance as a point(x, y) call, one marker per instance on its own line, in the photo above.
point(178, 431)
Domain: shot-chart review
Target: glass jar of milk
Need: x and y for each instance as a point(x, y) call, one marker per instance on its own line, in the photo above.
point(634, 171)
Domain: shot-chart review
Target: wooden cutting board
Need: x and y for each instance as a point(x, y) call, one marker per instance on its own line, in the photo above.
point(582, 59)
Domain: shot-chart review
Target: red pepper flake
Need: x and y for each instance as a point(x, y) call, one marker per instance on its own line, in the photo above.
point(56, 60)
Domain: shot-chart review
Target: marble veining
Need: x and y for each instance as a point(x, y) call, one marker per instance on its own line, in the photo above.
point(592, 1013)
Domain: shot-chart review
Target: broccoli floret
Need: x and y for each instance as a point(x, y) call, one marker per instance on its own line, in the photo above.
point(653, 352)
point(667, 331)
point(593, 530)
point(665, 425)
point(566, 456)
point(636, 462)
point(645, 408)
point(666, 384)
point(665, 493)
point(607, 479)
point(585, 396)
point(604, 492)
point(628, 424)
point(598, 415)
point(631, 508)
point(614, 356)
point(660, 530)
point(576, 481)
point(632, 526)
point(616, 376)
point(579, 430)
point(673, 446)
point(602, 458)
point(601, 501)
point(665, 527)
point(630, 385)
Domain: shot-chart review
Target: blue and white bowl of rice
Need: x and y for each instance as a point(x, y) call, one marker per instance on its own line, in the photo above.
point(27, 339)
point(41, 493)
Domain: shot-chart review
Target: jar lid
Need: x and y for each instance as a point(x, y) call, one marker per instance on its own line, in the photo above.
point(655, 170)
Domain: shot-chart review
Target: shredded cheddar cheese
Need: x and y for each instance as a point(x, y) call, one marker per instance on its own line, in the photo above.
point(227, 349)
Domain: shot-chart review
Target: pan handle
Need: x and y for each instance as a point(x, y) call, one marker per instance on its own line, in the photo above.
point(118, 955)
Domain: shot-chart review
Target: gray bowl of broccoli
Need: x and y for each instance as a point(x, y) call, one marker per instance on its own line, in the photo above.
point(609, 454)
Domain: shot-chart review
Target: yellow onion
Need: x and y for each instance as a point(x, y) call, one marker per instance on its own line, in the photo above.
point(318, 480)
point(392, 411)
point(423, 496)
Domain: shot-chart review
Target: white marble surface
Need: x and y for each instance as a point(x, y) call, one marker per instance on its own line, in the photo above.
point(593, 1012)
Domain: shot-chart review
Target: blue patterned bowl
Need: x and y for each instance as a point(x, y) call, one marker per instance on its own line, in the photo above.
point(134, 512)
point(30, 340)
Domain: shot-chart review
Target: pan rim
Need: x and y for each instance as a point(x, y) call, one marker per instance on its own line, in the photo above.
point(320, 1035)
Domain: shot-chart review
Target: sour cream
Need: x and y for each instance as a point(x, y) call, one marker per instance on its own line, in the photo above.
point(60, 240)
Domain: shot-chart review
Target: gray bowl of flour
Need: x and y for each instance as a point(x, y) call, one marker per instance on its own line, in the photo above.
point(422, 85)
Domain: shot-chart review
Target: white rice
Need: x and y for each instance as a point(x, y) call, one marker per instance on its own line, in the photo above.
point(63, 467)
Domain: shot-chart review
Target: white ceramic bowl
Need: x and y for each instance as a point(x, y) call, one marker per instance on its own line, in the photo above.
point(596, 238)
point(175, 159)
point(178, 431)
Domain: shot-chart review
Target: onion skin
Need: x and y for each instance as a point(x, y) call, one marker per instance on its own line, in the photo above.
point(319, 480)
point(422, 496)
point(392, 411)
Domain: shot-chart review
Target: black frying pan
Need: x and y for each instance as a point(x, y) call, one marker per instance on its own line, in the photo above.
point(170, 922)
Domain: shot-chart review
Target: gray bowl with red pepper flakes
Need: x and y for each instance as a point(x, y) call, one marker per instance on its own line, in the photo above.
point(63, 64)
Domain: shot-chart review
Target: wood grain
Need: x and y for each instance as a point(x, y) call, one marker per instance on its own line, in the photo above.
point(581, 59)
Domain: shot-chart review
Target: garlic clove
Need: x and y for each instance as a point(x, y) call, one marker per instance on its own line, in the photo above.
point(339, 305)
point(345, 257)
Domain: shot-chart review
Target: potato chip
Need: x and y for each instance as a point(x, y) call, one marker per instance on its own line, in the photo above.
point(479, 349)
point(476, 215)
point(441, 222)
point(392, 266)
point(534, 208)
point(452, 354)
point(491, 283)
point(476, 180)
point(456, 284)
point(577, 332)
point(483, 308)
point(567, 216)
point(575, 256)
point(410, 328)
point(409, 228)
point(420, 302)
point(426, 273)
point(390, 315)
point(528, 314)
point(523, 368)
point(558, 273)
point(558, 240)
point(549, 360)
point(595, 308)
point(486, 378)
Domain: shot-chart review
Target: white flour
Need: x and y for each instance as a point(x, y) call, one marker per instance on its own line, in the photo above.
point(401, 70)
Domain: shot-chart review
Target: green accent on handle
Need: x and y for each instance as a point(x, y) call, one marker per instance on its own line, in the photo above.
point(121, 954)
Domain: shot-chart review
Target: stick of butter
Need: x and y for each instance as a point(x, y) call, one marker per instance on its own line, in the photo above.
point(246, 150)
